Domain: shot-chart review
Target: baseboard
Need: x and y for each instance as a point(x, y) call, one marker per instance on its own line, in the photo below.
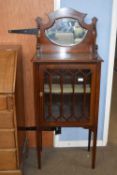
point(11, 172)
point(80, 143)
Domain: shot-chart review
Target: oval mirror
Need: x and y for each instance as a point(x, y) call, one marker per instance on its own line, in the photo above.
point(66, 32)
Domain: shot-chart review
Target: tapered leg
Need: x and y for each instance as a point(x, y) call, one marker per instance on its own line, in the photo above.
point(89, 140)
point(39, 147)
point(39, 159)
point(94, 148)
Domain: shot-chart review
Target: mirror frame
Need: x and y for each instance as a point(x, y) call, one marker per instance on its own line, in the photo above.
point(87, 45)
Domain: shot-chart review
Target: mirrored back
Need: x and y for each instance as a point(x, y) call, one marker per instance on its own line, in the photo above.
point(66, 32)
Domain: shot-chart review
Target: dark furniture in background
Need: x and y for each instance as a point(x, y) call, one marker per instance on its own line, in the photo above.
point(12, 114)
point(66, 75)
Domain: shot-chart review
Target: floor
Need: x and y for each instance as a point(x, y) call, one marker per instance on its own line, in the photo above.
point(72, 162)
point(64, 161)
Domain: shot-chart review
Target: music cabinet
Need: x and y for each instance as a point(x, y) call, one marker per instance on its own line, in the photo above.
point(66, 75)
point(11, 110)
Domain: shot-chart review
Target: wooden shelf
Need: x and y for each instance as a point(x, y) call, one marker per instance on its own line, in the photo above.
point(67, 88)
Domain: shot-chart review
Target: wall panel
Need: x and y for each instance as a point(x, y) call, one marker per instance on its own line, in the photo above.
point(103, 11)
point(15, 14)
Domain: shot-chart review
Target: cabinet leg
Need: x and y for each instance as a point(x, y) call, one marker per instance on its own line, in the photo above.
point(39, 147)
point(39, 159)
point(89, 140)
point(94, 149)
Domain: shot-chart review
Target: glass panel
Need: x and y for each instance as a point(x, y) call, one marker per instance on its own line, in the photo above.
point(67, 95)
point(66, 32)
point(82, 94)
point(51, 97)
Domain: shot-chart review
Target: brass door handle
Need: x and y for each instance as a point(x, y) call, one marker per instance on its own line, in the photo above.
point(41, 94)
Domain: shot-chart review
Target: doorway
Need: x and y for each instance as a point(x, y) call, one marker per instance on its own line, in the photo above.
point(113, 115)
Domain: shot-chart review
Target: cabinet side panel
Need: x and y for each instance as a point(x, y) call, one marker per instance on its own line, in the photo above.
point(19, 100)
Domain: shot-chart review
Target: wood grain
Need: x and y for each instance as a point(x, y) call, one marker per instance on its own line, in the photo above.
point(15, 14)
point(8, 160)
point(7, 139)
point(7, 71)
point(15, 172)
point(10, 110)
point(6, 119)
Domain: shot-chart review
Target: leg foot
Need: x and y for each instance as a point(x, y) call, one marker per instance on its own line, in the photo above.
point(94, 149)
point(39, 147)
point(39, 159)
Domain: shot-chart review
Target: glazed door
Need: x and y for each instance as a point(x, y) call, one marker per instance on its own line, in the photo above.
point(67, 95)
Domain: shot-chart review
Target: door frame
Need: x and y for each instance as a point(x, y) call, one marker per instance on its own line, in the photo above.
point(113, 33)
point(110, 72)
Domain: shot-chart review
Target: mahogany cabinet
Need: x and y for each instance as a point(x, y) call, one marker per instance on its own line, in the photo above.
point(66, 75)
point(11, 110)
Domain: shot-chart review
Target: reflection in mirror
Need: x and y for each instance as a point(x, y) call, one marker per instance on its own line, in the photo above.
point(66, 32)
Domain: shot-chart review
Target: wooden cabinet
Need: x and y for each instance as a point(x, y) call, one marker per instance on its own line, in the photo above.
point(11, 110)
point(67, 95)
point(67, 75)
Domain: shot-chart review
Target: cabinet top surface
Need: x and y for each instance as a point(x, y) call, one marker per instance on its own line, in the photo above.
point(67, 57)
point(8, 47)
